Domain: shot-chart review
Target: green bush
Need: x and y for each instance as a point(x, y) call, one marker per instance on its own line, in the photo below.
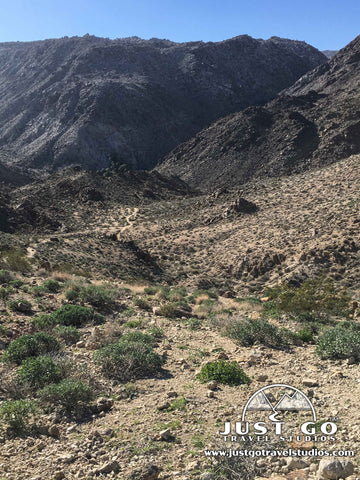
point(44, 322)
point(76, 316)
point(306, 335)
point(151, 290)
point(20, 305)
point(70, 394)
point(228, 373)
point(133, 324)
point(69, 335)
point(73, 293)
point(139, 337)
point(249, 332)
point(143, 304)
point(16, 283)
point(15, 260)
point(340, 342)
point(39, 371)
point(193, 323)
point(15, 413)
point(51, 286)
point(169, 310)
point(126, 360)
point(178, 403)
point(5, 277)
point(30, 346)
point(99, 296)
point(318, 296)
point(156, 332)
point(5, 293)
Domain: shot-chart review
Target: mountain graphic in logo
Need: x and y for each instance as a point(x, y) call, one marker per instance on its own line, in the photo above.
point(295, 402)
point(265, 400)
point(260, 402)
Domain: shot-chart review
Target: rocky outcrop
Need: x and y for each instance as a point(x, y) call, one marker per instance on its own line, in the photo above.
point(89, 100)
point(313, 123)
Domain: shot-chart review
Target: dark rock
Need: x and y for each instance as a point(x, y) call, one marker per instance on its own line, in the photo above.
point(313, 123)
point(97, 102)
point(148, 472)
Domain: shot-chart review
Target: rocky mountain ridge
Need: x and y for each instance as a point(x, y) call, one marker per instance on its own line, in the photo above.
point(83, 100)
point(313, 123)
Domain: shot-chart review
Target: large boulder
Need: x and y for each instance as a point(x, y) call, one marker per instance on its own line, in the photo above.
point(335, 468)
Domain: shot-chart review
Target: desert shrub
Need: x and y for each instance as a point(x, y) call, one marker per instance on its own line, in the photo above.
point(139, 337)
point(178, 403)
point(30, 346)
point(143, 304)
point(73, 293)
point(156, 332)
point(5, 277)
point(306, 335)
point(70, 394)
point(126, 360)
point(15, 260)
point(99, 296)
point(5, 293)
point(4, 330)
point(177, 294)
point(133, 324)
point(342, 341)
point(51, 286)
point(250, 300)
point(248, 332)
point(228, 373)
point(39, 371)
point(76, 316)
point(67, 334)
point(16, 283)
point(44, 322)
point(70, 269)
point(20, 305)
point(151, 290)
point(317, 296)
point(193, 323)
point(204, 294)
point(169, 310)
point(15, 413)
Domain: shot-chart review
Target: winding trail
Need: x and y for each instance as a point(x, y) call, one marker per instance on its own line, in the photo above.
point(115, 229)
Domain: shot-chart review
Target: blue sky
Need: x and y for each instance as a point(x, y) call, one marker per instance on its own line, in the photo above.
point(326, 24)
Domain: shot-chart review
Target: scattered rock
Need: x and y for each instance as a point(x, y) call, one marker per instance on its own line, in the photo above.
point(104, 404)
point(333, 469)
point(148, 472)
point(163, 406)
point(310, 382)
point(171, 394)
point(212, 385)
point(54, 431)
point(295, 464)
point(165, 435)
point(59, 475)
point(108, 468)
point(222, 356)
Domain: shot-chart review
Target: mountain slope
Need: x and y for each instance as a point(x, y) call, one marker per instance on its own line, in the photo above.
point(315, 122)
point(80, 100)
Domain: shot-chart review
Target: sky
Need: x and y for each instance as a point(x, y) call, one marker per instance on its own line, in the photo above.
point(325, 24)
